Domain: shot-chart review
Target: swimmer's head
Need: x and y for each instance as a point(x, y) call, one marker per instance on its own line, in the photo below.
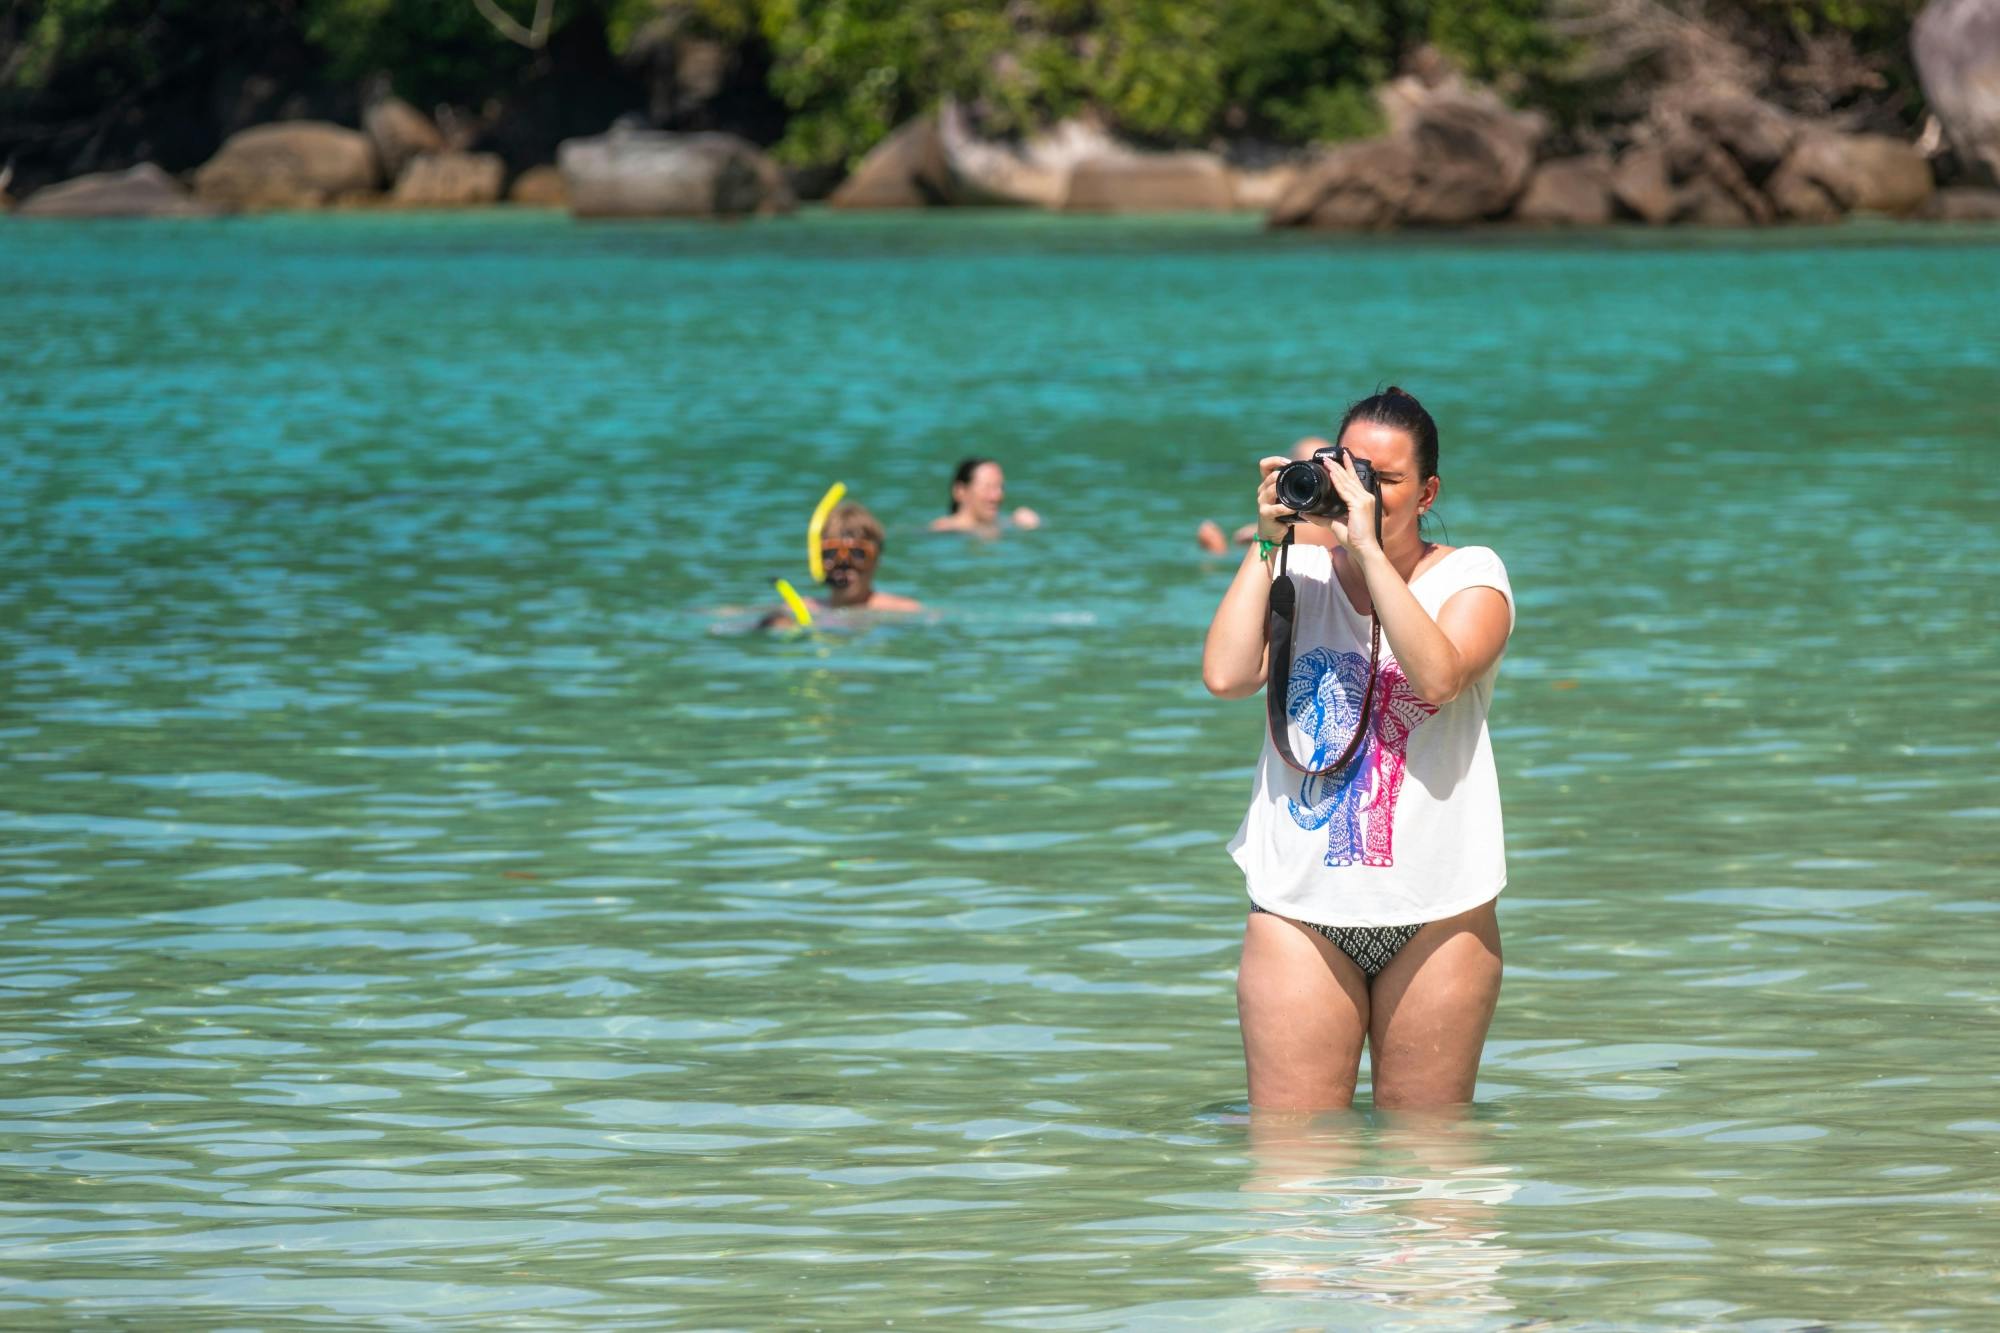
point(977, 488)
point(850, 546)
point(1306, 448)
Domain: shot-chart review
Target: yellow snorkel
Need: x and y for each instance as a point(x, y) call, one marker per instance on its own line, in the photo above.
point(818, 526)
point(800, 611)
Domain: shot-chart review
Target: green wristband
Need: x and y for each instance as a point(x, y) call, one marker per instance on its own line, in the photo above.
point(1264, 548)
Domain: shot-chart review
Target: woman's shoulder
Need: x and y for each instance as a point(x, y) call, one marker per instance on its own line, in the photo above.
point(1468, 557)
point(1464, 567)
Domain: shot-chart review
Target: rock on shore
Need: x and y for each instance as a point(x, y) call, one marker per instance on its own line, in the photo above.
point(1568, 192)
point(143, 191)
point(1150, 183)
point(450, 180)
point(1033, 173)
point(1956, 47)
point(1454, 154)
point(400, 133)
point(906, 170)
point(1827, 175)
point(1964, 204)
point(650, 173)
point(1073, 166)
point(539, 187)
point(289, 164)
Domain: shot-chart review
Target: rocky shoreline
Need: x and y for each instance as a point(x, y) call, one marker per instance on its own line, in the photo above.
point(1704, 151)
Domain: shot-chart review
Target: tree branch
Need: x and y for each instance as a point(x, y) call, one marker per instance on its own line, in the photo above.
point(534, 37)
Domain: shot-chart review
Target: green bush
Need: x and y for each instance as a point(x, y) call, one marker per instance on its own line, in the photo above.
point(849, 71)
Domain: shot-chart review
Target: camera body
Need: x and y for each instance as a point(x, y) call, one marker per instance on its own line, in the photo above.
point(1305, 489)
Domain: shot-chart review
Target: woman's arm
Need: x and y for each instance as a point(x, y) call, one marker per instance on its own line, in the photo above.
point(1440, 658)
point(1234, 656)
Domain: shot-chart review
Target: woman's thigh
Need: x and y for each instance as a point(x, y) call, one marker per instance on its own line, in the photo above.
point(1430, 1010)
point(1303, 1005)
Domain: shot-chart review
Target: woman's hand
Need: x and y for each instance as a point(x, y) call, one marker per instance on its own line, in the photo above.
point(1269, 512)
point(1356, 532)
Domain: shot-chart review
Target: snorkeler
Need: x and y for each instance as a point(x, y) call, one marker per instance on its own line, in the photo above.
point(1209, 536)
point(850, 548)
point(978, 488)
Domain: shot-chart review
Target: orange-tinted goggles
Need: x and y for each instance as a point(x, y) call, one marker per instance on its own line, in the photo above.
point(849, 551)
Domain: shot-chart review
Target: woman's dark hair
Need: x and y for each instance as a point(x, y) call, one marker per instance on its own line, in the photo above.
point(963, 477)
point(1399, 411)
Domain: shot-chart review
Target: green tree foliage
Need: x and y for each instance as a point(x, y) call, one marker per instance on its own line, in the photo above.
point(850, 71)
point(1171, 71)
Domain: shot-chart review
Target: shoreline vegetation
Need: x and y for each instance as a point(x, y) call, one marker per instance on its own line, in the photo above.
point(1375, 115)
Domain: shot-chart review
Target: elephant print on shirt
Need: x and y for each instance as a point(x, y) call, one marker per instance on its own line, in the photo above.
point(1357, 806)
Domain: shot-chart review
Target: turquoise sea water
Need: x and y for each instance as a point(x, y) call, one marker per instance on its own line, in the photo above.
point(419, 907)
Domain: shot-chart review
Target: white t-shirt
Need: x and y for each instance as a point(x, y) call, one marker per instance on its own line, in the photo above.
point(1410, 830)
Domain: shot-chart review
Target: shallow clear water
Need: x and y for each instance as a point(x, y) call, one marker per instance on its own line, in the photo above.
point(420, 906)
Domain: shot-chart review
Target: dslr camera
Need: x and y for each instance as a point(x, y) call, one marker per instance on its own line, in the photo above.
point(1305, 489)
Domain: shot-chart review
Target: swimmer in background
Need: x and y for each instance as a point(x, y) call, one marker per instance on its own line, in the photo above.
point(850, 548)
point(1209, 536)
point(978, 488)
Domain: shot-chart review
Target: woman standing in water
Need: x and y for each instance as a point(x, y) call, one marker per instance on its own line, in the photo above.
point(1372, 886)
point(978, 489)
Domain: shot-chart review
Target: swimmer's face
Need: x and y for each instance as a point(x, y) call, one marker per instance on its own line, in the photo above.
point(981, 496)
point(850, 568)
point(1394, 456)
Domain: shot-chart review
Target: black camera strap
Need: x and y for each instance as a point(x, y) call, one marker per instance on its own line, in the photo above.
point(1278, 673)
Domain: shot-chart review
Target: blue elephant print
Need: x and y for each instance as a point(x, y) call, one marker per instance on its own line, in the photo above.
point(1357, 806)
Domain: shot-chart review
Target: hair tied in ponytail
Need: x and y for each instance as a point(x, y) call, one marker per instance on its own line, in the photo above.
point(1399, 409)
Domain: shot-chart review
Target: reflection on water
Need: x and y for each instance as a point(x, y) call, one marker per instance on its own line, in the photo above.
point(412, 913)
point(1399, 1211)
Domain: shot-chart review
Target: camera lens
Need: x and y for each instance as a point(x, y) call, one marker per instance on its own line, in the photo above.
point(1301, 486)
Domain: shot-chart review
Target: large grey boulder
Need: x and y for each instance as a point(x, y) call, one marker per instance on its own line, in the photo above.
point(1474, 156)
point(1150, 183)
point(143, 191)
point(289, 164)
point(1827, 174)
point(1756, 135)
point(1361, 186)
point(1033, 172)
point(906, 170)
point(400, 133)
point(1699, 159)
point(450, 180)
point(1956, 47)
point(651, 173)
point(1568, 192)
point(1640, 182)
point(1454, 154)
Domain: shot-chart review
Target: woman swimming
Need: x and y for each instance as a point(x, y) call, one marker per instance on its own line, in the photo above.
point(978, 488)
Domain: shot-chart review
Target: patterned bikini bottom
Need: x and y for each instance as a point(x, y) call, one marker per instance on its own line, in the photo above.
point(1371, 947)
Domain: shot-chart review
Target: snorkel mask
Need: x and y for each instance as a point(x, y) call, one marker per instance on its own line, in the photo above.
point(845, 557)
